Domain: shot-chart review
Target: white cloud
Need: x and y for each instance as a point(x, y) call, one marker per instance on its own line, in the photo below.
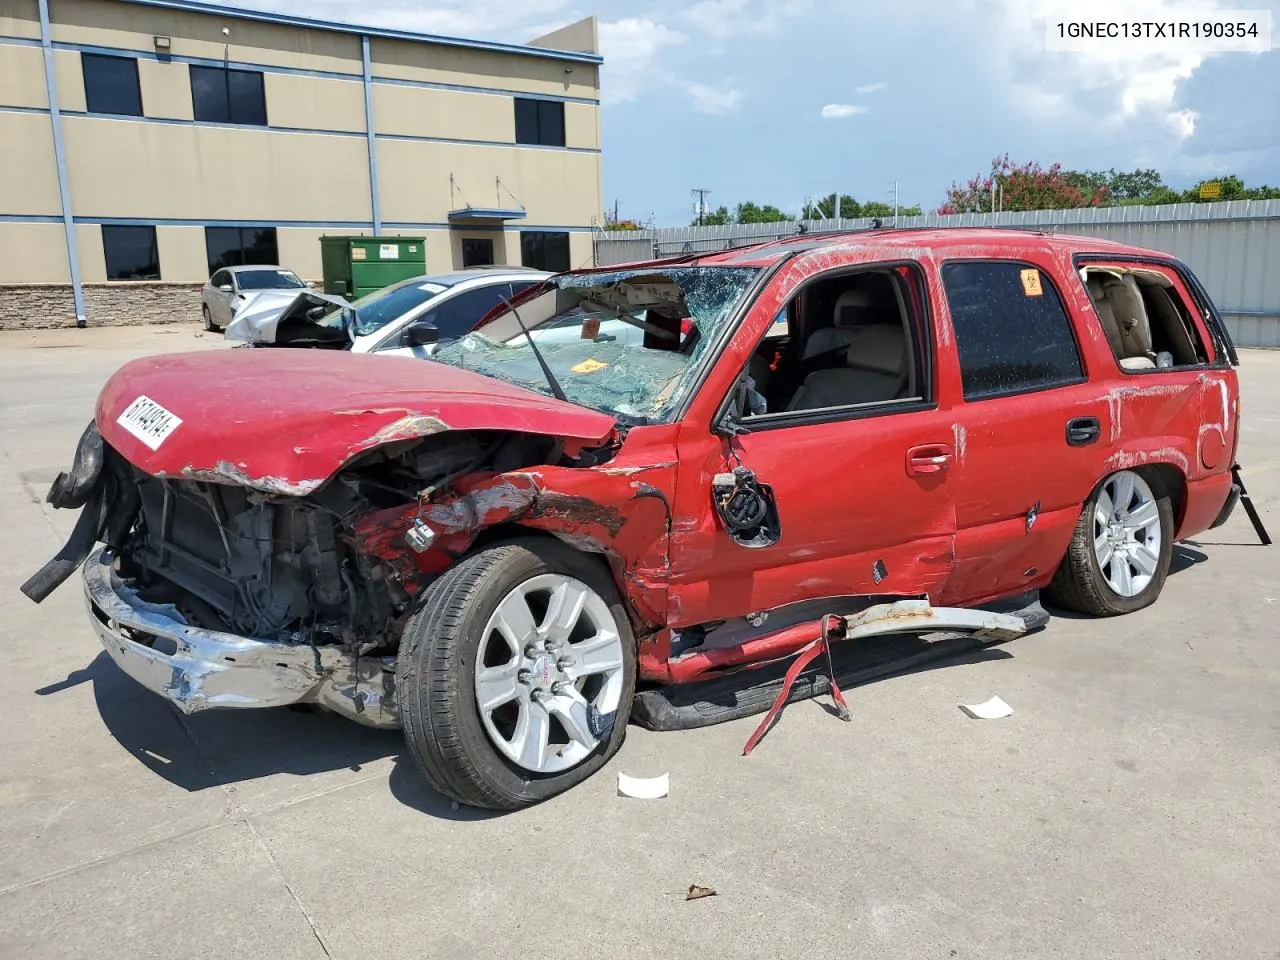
point(629, 47)
point(720, 19)
point(713, 99)
point(871, 88)
point(1107, 84)
point(839, 111)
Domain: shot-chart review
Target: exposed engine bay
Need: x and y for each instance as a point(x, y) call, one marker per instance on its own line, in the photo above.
point(280, 568)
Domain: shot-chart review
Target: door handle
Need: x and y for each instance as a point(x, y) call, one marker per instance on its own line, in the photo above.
point(928, 458)
point(1083, 431)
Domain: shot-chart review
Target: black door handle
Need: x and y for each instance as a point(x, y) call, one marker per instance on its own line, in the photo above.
point(1083, 431)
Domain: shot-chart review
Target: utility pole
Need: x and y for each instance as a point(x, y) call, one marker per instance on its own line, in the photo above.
point(895, 203)
point(701, 194)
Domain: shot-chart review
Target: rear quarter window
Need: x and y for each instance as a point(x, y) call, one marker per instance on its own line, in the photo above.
point(1012, 332)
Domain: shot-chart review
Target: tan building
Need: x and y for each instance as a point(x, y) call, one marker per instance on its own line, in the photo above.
point(144, 143)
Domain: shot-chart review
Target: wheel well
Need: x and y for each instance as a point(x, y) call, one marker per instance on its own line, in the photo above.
point(506, 532)
point(1167, 480)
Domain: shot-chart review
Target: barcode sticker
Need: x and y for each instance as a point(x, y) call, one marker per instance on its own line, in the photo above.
point(148, 421)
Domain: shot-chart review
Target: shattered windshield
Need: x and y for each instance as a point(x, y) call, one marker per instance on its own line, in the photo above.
point(621, 342)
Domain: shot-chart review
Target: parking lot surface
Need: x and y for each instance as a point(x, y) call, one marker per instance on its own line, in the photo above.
point(1128, 808)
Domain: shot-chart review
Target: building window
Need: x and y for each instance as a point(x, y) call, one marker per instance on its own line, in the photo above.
point(540, 122)
point(237, 246)
point(545, 251)
point(111, 85)
point(1012, 333)
point(219, 95)
point(131, 253)
point(476, 252)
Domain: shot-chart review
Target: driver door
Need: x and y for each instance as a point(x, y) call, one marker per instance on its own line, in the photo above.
point(862, 491)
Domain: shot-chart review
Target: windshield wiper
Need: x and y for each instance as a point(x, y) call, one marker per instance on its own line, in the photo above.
point(552, 382)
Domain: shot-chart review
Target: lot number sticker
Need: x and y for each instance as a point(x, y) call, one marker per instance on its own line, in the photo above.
point(148, 421)
point(1031, 283)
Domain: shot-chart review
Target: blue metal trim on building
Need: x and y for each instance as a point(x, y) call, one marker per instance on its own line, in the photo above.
point(509, 144)
point(213, 222)
point(40, 110)
point(175, 121)
point(20, 41)
point(492, 91)
point(301, 72)
point(29, 218)
point(484, 213)
point(60, 158)
point(370, 132)
point(192, 6)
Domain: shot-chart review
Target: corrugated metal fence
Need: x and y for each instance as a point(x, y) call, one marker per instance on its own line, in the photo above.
point(1233, 247)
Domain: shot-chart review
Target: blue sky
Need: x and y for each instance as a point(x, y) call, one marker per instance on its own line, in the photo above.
point(777, 100)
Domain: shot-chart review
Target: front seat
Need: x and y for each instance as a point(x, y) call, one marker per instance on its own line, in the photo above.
point(1124, 319)
point(849, 315)
point(875, 370)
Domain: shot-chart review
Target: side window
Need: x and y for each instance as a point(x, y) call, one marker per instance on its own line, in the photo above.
point(862, 346)
point(1012, 332)
point(220, 279)
point(1145, 316)
point(456, 316)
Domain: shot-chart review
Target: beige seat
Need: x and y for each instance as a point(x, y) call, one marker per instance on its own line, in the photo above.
point(876, 370)
point(850, 313)
point(1124, 319)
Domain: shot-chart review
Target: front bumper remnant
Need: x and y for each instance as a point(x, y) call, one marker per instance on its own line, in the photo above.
point(198, 669)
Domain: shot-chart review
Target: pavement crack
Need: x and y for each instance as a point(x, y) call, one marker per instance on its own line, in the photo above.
point(275, 865)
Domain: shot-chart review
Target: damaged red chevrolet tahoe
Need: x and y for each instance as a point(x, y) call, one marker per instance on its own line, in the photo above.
point(511, 552)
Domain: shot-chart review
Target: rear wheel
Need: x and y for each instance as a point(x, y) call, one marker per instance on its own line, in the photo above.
point(516, 676)
point(208, 320)
point(1120, 551)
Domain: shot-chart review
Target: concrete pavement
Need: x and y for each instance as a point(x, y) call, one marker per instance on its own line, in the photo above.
point(1128, 808)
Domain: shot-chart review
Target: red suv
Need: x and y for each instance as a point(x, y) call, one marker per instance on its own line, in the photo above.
point(513, 548)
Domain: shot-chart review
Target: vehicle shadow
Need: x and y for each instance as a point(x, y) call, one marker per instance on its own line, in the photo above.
point(1184, 557)
point(219, 748)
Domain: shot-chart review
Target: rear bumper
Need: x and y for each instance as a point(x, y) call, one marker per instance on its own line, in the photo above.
point(1228, 508)
point(197, 669)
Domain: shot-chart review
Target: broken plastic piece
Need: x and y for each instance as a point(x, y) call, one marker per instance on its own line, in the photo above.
point(993, 709)
point(697, 893)
point(644, 788)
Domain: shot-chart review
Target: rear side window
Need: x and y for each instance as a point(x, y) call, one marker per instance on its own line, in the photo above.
point(1012, 332)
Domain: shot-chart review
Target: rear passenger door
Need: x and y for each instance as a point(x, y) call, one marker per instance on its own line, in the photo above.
point(1031, 431)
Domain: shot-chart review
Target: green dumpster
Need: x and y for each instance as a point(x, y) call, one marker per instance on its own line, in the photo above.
point(355, 266)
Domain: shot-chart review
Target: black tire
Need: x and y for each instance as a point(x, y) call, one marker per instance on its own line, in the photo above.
point(208, 320)
point(1079, 584)
point(434, 676)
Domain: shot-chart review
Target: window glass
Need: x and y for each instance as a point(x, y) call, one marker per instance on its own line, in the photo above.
point(268, 280)
point(238, 246)
point(476, 252)
point(545, 251)
point(539, 122)
point(111, 85)
point(219, 95)
point(456, 316)
point(1012, 332)
point(642, 378)
point(375, 310)
point(220, 278)
point(131, 253)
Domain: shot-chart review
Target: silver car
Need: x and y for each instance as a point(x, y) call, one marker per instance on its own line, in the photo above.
point(228, 288)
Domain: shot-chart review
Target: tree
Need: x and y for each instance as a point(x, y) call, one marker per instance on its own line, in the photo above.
point(876, 208)
point(714, 218)
point(1024, 186)
point(753, 213)
point(825, 208)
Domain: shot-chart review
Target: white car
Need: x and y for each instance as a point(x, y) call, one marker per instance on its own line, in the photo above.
point(448, 305)
point(226, 291)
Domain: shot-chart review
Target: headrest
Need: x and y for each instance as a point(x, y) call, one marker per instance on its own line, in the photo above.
point(850, 306)
point(881, 347)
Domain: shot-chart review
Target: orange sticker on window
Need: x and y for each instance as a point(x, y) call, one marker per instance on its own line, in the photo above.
point(589, 366)
point(1031, 283)
point(591, 328)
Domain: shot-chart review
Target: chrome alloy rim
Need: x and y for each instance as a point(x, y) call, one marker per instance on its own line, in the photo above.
point(1126, 533)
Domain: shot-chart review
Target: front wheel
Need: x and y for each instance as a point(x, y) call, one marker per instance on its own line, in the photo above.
point(1120, 551)
point(515, 677)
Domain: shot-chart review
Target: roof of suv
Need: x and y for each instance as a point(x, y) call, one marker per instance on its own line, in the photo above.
point(906, 242)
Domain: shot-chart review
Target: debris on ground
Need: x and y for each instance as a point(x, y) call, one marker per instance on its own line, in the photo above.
point(697, 893)
point(644, 788)
point(993, 709)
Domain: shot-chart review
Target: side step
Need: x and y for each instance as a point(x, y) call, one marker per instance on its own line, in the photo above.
point(896, 637)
